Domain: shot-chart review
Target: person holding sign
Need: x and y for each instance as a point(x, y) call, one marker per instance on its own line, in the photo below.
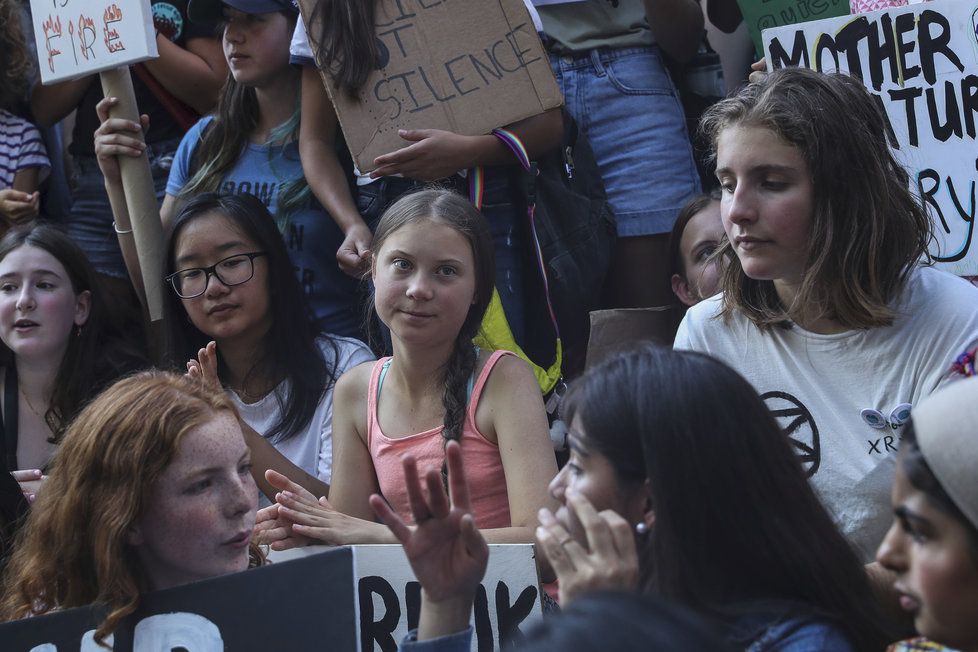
point(432, 272)
point(150, 489)
point(348, 47)
point(827, 308)
point(681, 484)
point(249, 146)
point(183, 82)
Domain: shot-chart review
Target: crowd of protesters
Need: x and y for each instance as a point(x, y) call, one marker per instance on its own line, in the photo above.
point(797, 472)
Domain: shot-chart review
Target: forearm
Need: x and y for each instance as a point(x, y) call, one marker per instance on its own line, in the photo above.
point(127, 243)
point(539, 134)
point(49, 104)
point(265, 456)
point(677, 26)
point(328, 183)
point(443, 618)
point(194, 80)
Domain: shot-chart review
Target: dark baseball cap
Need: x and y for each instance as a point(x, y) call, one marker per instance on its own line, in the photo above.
point(211, 11)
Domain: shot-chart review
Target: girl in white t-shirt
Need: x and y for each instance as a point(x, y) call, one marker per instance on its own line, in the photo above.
point(826, 307)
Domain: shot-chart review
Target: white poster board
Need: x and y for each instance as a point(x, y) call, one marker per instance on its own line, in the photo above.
point(389, 596)
point(921, 63)
point(80, 37)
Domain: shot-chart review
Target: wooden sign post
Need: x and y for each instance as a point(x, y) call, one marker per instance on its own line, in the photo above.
point(76, 38)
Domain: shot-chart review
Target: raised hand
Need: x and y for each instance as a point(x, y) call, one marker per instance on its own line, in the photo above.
point(610, 560)
point(445, 549)
point(204, 367)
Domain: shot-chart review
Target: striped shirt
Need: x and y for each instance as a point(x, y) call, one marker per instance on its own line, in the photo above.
point(21, 147)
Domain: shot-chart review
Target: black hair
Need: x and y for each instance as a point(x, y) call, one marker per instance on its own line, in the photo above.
point(289, 349)
point(735, 519)
point(97, 352)
point(625, 622)
point(922, 478)
point(348, 46)
point(451, 209)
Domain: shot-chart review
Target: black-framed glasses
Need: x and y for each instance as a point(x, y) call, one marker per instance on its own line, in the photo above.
point(233, 270)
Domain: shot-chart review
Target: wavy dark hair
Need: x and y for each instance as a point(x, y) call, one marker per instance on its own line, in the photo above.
point(289, 349)
point(868, 230)
point(97, 353)
point(451, 209)
point(695, 205)
point(224, 139)
point(736, 522)
point(347, 43)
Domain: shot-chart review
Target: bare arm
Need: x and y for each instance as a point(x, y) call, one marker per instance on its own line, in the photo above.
point(677, 26)
point(49, 104)
point(317, 148)
point(435, 154)
point(26, 180)
point(193, 75)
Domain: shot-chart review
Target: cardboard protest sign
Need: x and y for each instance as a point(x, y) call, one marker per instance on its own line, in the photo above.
point(305, 604)
point(80, 37)
point(920, 62)
point(389, 596)
point(765, 14)
point(466, 66)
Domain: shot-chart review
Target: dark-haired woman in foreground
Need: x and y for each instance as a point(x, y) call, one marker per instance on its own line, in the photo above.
point(680, 483)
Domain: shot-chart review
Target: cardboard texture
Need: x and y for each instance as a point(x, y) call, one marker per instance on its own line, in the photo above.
point(621, 329)
point(467, 66)
point(80, 37)
point(920, 62)
point(389, 596)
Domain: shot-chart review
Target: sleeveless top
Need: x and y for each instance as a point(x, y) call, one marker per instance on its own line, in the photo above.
point(483, 465)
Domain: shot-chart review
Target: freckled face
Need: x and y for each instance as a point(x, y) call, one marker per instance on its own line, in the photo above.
point(937, 575)
point(700, 239)
point(199, 516)
point(424, 279)
point(39, 309)
point(592, 475)
point(767, 202)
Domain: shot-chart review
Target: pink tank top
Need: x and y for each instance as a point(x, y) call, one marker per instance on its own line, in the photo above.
point(483, 465)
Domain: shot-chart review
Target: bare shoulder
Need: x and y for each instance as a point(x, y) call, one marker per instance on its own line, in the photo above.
point(350, 395)
point(512, 377)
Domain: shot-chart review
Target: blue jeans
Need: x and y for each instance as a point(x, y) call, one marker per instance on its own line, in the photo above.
point(504, 226)
point(90, 220)
point(626, 104)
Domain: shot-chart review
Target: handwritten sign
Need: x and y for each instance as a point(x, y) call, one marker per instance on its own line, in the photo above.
point(920, 62)
point(80, 37)
point(306, 604)
point(466, 66)
point(389, 596)
point(765, 14)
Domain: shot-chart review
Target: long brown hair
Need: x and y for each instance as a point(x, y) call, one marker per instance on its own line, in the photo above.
point(347, 43)
point(16, 64)
point(72, 550)
point(868, 230)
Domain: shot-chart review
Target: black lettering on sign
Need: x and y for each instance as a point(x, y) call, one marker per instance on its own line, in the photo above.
point(882, 48)
point(928, 187)
point(847, 41)
point(799, 52)
point(903, 24)
point(378, 631)
point(908, 96)
point(412, 600)
point(931, 45)
point(874, 446)
point(395, 32)
point(509, 616)
point(799, 426)
point(483, 625)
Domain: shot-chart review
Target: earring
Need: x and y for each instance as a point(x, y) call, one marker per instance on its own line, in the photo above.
point(641, 528)
point(78, 331)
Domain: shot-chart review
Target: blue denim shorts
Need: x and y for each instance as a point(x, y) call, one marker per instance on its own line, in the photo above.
point(90, 220)
point(626, 104)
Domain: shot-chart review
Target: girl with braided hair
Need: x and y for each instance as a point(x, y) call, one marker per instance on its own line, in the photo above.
point(432, 272)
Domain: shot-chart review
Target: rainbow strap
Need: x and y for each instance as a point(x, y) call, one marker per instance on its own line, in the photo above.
point(477, 188)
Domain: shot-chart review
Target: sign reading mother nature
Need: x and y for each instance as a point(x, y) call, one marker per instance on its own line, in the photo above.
point(467, 66)
point(80, 37)
point(920, 62)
